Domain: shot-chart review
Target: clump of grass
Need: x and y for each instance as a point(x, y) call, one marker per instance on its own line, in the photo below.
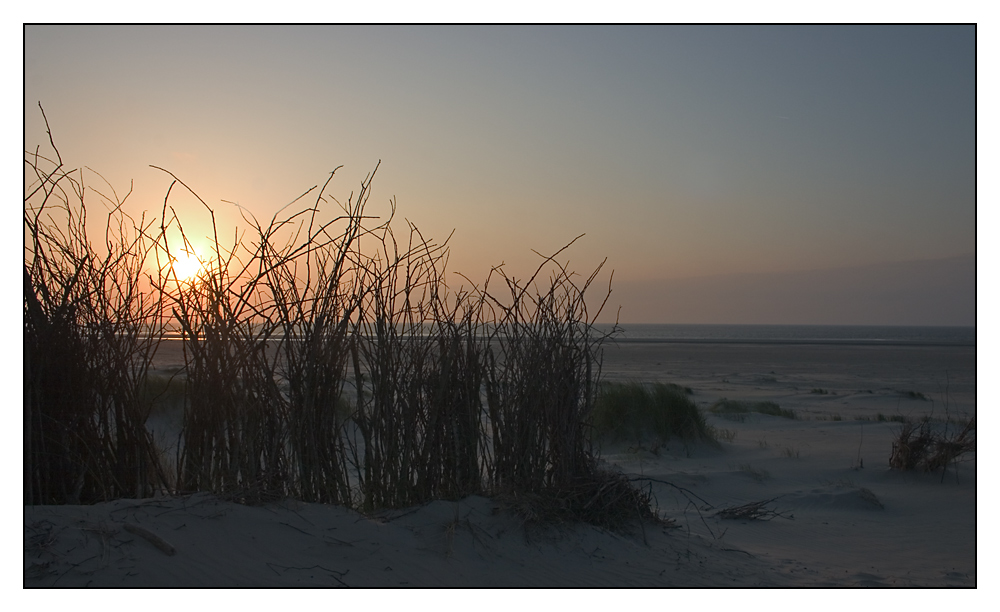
point(633, 411)
point(542, 366)
point(774, 410)
point(866, 494)
point(791, 453)
point(757, 474)
point(920, 446)
point(724, 434)
point(917, 395)
point(90, 333)
point(164, 394)
point(726, 408)
point(234, 439)
point(605, 498)
point(676, 387)
point(895, 418)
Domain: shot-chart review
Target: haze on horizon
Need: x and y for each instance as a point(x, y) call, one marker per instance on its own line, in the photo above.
point(730, 174)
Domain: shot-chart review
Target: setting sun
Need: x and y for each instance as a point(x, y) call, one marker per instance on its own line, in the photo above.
point(186, 266)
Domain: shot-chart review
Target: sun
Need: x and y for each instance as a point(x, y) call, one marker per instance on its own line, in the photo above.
point(186, 266)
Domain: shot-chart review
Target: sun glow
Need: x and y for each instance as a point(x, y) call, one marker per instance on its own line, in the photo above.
point(186, 266)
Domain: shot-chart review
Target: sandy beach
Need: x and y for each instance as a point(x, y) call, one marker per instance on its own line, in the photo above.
point(836, 515)
point(523, 302)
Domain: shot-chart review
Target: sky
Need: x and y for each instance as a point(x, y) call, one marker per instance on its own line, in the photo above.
point(692, 157)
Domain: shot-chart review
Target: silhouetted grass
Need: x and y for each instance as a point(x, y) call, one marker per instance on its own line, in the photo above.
point(922, 446)
point(325, 360)
point(90, 333)
point(163, 393)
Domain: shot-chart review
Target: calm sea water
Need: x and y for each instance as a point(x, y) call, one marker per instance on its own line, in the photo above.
point(799, 334)
point(889, 335)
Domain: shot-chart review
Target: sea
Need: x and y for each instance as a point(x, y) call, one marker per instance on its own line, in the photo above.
point(886, 335)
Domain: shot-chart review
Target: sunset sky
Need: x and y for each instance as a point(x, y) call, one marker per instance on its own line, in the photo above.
point(826, 162)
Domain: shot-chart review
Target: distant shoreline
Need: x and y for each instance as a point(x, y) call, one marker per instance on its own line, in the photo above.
point(754, 341)
point(819, 341)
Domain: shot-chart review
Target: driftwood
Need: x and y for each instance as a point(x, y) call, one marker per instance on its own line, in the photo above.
point(151, 537)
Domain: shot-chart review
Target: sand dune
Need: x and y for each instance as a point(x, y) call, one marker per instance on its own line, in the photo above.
point(840, 517)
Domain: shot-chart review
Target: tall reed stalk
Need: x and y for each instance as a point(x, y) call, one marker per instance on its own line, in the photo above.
point(234, 428)
point(91, 329)
point(541, 382)
point(315, 301)
point(418, 372)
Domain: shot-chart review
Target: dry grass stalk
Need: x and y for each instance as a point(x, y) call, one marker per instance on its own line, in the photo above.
point(233, 438)
point(920, 446)
point(91, 328)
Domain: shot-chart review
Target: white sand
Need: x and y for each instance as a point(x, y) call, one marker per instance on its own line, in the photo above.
point(843, 525)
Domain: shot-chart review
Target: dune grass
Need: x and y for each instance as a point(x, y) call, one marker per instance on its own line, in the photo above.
point(738, 410)
point(756, 474)
point(164, 393)
point(927, 446)
point(326, 359)
point(635, 411)
point(90, 333)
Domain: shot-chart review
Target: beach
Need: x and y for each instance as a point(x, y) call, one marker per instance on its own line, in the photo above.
point(831, 512)
point(507, 303)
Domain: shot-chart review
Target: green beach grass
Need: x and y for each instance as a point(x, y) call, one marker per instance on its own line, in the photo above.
point(738, 410)
point(636, 411)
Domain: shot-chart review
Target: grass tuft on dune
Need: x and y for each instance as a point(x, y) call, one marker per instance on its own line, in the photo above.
point(737, 410)
point(635, 411)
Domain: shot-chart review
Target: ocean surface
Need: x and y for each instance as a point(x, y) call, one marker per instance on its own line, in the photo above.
point(887, 335)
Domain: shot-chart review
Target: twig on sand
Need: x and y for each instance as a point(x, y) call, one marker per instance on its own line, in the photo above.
point(386, 517)
point(295, 528)
point(688, 494)
point(333, 573)
point(754, 511)
point(151, 537)
point(73, 566)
